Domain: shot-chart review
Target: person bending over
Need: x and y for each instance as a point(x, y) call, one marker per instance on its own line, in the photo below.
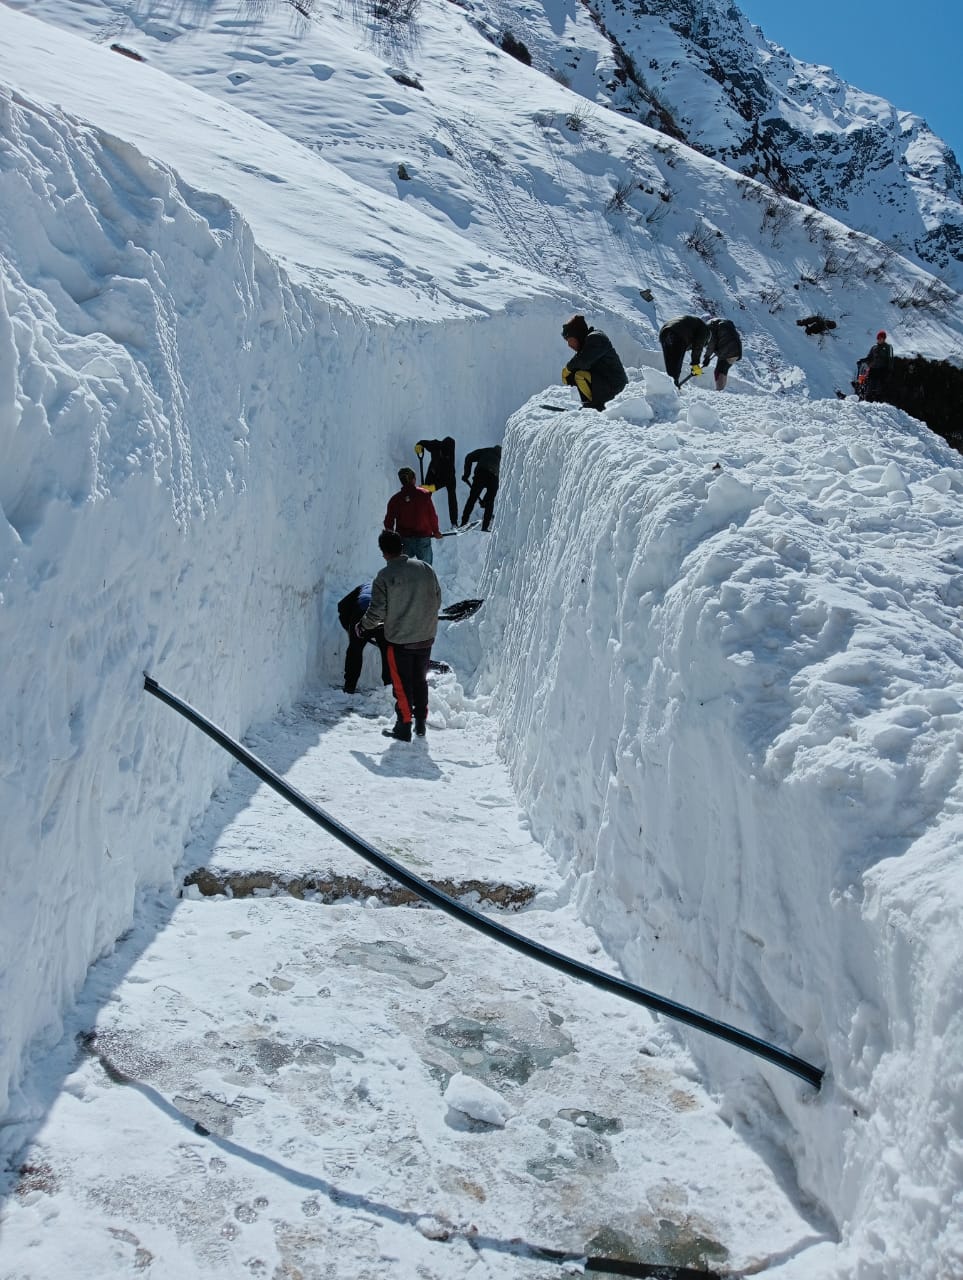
point(676, 337)
point(351, 610)
point(484, 484)
point(725, 344)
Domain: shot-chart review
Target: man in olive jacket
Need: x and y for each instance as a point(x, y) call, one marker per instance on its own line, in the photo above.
point(595, 369)
point(879, 363)
point(405, 599)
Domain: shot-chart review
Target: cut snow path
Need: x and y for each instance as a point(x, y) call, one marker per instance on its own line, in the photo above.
point(274, 1086)
point(442, 807)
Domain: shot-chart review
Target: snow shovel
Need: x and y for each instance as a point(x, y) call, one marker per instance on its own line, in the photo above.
point(462, 528)
point(461, 609)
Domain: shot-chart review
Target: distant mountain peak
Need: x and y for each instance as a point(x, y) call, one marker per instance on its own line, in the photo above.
point(700, 71)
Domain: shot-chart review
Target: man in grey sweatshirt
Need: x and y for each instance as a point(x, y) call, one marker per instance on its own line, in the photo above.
point(405, 599)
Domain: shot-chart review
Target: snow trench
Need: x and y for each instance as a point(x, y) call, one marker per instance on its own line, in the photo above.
point(197, 457)
point(731, 703)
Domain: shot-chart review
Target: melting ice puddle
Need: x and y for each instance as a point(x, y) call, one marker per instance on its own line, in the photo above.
point(390, 957)
point(499, 1050)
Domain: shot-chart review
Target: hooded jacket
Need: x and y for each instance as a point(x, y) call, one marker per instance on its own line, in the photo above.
point(598, 357)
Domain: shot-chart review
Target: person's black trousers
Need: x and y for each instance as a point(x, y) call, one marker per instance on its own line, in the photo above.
point(354, 658)
point(672, 352)
point(409, 678)
point(483, 489)
point(452, 490)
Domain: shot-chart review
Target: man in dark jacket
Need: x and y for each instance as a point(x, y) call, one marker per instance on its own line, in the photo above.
point(441, 471)
point(411, 513)
point(595, 369)
point(725, 344)
point(351, 610)
point(405, 599)
point(879, 362)
point(484, 484)
point(684, 333)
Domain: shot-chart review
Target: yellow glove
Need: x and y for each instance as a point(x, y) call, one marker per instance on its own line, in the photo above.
point(419, 449)
point(566, 376)
point(697, 371)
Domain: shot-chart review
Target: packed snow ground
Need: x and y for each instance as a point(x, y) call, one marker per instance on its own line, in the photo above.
point(380, 1091)
point(730, 699)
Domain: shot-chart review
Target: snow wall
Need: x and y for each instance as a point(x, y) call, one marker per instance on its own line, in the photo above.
point(186, 490)
point(731, 701)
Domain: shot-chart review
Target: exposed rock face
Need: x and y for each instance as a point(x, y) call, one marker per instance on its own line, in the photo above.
point(699, 70)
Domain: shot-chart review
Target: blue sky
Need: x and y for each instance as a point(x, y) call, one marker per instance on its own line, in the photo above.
point(908, 53)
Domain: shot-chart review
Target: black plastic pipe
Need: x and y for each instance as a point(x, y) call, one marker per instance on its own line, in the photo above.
point(554, 959)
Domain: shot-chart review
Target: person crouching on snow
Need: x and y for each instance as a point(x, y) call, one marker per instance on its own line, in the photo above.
point(351, 610)
point(595, 369)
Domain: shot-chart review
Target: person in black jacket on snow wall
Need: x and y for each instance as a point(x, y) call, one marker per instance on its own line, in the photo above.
point(595, 369)
point(441, 472)
point(676, 337)
point(725, 344)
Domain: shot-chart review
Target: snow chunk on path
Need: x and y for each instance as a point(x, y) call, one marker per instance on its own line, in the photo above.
point(477, 1101)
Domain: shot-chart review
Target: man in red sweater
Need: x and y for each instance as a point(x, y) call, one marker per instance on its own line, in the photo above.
point(411, 514)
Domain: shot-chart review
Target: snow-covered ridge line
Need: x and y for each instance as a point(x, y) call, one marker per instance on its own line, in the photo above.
point(742, 743)
point(502, 163)
point(170, 404)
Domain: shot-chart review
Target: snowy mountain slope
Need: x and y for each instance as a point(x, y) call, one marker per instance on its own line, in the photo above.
point(518, 166)
point(701, 70)
point(349, 254)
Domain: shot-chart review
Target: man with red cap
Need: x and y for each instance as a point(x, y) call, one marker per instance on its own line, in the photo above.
point(879, 362)
point(595, 369)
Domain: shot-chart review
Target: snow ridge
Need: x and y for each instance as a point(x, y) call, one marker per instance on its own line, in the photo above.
point(731, 700)
point(172, 406)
